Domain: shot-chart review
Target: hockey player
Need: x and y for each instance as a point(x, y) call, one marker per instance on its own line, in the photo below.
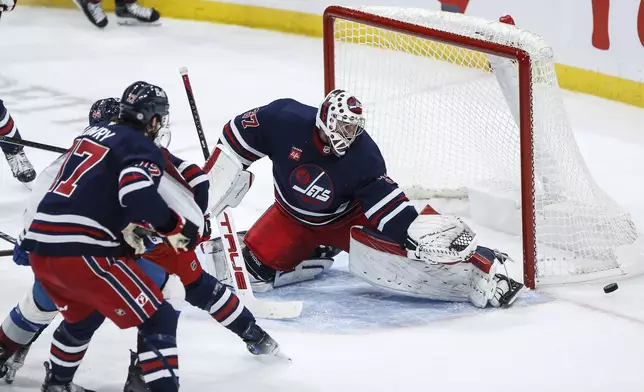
point(202, 290)
point(109, 179)
point(127, 12)
point(36, 310)
point(331, 188)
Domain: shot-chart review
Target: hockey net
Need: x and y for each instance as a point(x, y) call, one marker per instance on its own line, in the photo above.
point(471, 109)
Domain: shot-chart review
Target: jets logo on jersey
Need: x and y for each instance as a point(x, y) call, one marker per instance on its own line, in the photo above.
point(312, 186)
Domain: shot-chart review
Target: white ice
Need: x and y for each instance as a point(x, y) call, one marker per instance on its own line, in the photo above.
point(350, 337)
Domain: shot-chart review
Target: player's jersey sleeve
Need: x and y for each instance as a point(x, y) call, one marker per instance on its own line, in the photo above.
point(385, 204)
point(196, 178)
point(139, 178)
point(248, 135)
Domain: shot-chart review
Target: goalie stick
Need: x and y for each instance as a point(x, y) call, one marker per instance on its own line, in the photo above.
point(232, 249)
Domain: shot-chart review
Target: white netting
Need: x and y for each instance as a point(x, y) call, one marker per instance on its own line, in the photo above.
point(446, 118)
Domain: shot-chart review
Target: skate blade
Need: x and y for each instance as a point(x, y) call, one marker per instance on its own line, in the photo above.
point(282, 355)
point(134, 22)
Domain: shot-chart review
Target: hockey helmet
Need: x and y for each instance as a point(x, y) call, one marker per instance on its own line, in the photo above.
point(141, 103)
point(340, 118)
point(104, 110)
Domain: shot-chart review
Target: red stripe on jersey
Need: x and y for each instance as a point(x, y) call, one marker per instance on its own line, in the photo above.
point(227, 310)
point(172, 170)
point(132, 288)
point(54, 228)
point(389, 207)
point(7, 127)
point(191, 171)
point(130, 178)
point(234, 143)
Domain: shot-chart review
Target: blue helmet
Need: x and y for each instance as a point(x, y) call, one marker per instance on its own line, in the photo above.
point(104, 110)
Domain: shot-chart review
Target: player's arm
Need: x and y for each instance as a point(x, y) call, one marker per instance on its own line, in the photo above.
point(245, 139)
point(138, 194)
point(386, 207)
point(196, 178)
point(247, 136)
point(428, 237)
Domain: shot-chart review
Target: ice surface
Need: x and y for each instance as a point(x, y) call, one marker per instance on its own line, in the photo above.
point(350, 337)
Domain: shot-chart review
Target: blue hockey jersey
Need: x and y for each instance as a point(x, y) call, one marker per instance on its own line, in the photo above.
point(311, 184)
point(109, 178)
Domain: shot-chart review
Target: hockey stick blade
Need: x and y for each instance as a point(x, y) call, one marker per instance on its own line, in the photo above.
point(237, 266)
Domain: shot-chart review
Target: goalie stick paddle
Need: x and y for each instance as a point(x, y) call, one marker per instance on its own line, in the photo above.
point(28, 143)
point(232, 249)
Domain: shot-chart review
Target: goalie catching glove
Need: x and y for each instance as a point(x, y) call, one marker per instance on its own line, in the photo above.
point(440, 239)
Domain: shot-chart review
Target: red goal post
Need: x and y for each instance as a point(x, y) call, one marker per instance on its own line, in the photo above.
point(523, 60)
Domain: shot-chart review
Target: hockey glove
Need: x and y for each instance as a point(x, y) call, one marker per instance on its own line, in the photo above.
point(20, 257)
point(440, 239)
point(183, 235)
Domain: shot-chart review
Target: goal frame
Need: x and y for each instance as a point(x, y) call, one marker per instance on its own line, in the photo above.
point(526, 137)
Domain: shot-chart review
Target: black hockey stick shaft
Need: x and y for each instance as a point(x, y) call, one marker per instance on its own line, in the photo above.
point(28, 143)
point(7, 238)
point(4, 253)
point(195, 114)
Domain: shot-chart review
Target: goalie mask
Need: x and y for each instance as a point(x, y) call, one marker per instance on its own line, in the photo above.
point(340, 118)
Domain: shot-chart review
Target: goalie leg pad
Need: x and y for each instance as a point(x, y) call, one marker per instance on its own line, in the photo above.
point(384, 264)
point(262, 277)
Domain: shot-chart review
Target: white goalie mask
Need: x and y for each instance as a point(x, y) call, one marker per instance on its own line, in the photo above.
point(340, 118)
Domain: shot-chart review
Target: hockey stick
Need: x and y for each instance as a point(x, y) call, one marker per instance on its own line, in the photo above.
point(10, 239)
point(195, 114)
point(28, 143)
point(232, 252)
point(7, 238)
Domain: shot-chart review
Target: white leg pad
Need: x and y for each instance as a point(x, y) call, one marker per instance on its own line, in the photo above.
point(401, 275)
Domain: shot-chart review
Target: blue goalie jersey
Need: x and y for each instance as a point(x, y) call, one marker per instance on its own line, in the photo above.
point(108, 179)
point(311, 184)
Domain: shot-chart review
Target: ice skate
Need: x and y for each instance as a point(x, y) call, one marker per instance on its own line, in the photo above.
point(93, 11)
point(21, 167)
point(15, 363)
point(134, 13)
point(51, 386)
point(135, 381)
point(259, 342)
